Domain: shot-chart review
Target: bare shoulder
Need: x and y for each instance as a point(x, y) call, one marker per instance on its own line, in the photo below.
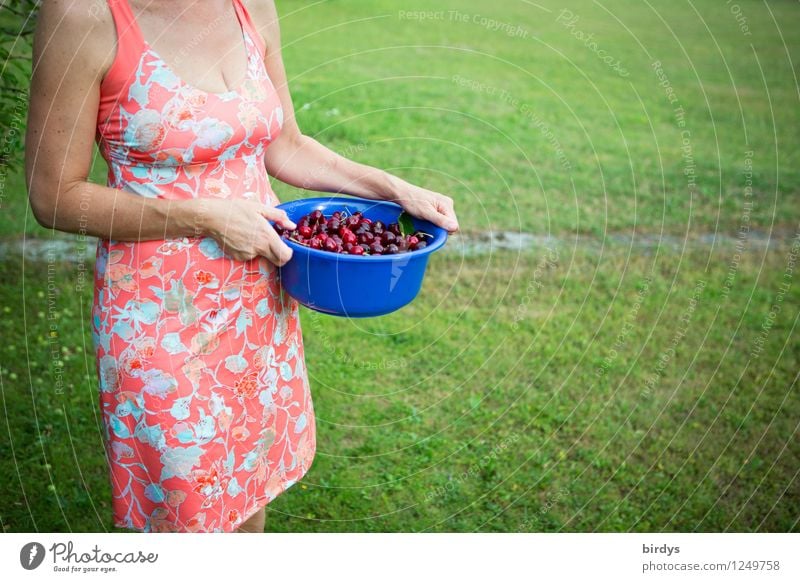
point(76, 34)
point(265, 18)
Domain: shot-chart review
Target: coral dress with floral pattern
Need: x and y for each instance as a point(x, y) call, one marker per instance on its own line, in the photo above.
point(206, 407)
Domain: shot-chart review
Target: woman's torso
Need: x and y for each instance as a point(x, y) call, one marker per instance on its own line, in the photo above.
point(205, 397)
point(164, 138)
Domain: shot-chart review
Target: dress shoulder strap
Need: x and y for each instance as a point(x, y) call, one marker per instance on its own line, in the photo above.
point(247, 23)
point(130, 45)
point(129, 35)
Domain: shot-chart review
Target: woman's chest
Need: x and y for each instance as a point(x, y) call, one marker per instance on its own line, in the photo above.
point(163, 120)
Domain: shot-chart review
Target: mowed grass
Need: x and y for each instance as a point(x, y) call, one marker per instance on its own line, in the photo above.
point(529, 128)
point(582, 392)
point(592, 389)
point(537, 132)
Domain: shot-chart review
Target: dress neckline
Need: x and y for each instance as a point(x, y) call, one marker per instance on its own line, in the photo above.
point(235, 90)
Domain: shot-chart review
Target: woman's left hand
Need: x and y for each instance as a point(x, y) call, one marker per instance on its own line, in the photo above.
point(429, 205)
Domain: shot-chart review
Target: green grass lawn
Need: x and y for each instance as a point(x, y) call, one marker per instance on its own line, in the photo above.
point(600, 388)
point(498, 401)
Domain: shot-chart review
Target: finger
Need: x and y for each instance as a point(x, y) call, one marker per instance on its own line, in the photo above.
point(446, 216)
point(450, 220)
point(434, 215)
point(266, 251)
point(277, 251)
point(238, 256)
point(278, 215)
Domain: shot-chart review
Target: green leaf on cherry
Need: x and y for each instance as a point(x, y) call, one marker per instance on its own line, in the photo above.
point(406, 223)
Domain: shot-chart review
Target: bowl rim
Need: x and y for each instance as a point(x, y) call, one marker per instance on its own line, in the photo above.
point(439, 236)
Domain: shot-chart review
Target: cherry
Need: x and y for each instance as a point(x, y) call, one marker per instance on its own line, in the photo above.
point(349, 237)
point(353, 234)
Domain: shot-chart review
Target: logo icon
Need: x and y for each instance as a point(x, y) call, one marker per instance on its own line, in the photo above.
point(31, 555)
point(398, 266)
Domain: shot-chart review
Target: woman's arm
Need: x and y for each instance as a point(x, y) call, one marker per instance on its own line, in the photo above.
point(73, 48)
point(303, 162)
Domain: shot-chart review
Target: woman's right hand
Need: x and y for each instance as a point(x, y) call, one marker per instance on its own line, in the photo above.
point(242, 229)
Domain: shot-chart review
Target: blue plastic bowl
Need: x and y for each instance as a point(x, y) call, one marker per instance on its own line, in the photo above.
point(351, 285)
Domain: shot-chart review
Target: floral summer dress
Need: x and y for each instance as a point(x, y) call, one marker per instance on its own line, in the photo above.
point(205, 399)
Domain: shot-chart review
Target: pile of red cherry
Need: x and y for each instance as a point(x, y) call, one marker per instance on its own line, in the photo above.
point(352, 234)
